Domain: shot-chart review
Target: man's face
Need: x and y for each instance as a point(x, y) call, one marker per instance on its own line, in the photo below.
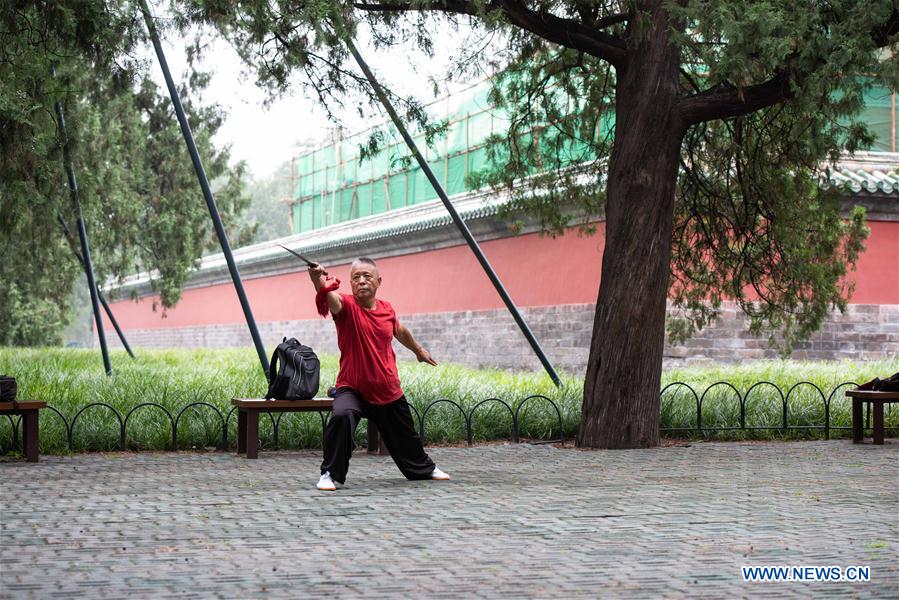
point(365, 281)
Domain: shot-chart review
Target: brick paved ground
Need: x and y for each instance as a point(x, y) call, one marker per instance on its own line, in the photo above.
point(515, 521)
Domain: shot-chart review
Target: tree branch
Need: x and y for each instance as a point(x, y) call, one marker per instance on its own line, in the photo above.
point(565, 32)
point(449, 6)
point(726, 101)
point(589, 13)
point(609, 20)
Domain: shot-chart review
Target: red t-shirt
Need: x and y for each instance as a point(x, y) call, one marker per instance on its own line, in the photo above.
point(367, 360)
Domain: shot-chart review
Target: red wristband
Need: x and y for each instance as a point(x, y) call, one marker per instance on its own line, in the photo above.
point(321, 297)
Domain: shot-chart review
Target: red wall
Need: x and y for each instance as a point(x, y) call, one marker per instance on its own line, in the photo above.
point(876, 275)
point(536, 272)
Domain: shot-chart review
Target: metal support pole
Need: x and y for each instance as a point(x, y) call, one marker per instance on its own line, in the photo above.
point(82, 233)
point(535, 345)
point(115, 324)
point(204, 185)
point(109, 314)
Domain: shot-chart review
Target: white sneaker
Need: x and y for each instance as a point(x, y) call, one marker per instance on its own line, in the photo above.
point(326, 483)
point(439, 475)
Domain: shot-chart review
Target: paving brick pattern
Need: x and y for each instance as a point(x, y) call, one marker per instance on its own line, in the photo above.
point(515, 521)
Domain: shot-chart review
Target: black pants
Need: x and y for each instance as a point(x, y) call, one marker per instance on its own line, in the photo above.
point(395, 424)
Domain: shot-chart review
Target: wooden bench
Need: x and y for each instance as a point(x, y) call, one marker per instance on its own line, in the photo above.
point(877, 399)
point(29, 410)
point(248, 410)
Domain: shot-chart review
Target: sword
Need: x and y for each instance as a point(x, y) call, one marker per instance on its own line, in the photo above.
point(300, 256)
point(303, 258)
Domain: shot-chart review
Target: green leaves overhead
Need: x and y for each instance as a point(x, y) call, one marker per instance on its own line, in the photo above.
point(141, 203)
point(743, 42)
point(754, 224)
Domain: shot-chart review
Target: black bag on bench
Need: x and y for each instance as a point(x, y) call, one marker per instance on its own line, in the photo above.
point(293, 372)
point(8, 388)
point(890, 384)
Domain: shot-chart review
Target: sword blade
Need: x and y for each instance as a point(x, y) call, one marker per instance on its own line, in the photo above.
point(298, 255)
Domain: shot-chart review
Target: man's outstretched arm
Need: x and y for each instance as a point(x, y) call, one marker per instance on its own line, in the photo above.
point(317, 274)
point(404, 336)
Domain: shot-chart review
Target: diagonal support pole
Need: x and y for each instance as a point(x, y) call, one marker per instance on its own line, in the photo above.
point(106, 308)
point(457, 219)
point(82, 233)
point(204, 185)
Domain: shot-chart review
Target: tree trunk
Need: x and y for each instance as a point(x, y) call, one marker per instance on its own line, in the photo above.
point(621, 387)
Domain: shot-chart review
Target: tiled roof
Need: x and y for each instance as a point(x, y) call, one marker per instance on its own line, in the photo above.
point(421, 217)
point(871, 172)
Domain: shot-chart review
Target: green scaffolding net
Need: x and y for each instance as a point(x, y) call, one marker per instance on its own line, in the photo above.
point(879, 114)
point(331, 185)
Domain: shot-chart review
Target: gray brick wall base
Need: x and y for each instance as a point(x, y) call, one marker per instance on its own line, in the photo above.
point(490, 338)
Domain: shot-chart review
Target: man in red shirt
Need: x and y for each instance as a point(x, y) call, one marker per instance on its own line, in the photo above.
point(368, 384)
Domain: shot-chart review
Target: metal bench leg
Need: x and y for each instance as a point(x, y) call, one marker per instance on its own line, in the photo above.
point(878, 423)
point(30, 435)
point(857, 431)
point(252, 434)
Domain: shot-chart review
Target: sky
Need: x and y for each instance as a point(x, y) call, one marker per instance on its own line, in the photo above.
point(266, 137)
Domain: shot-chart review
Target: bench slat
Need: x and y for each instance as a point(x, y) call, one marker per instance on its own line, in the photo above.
point(23, 405)
point(872, 396)
point(261, 404)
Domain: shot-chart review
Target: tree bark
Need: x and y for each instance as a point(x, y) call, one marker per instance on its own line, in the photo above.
point(621, 387)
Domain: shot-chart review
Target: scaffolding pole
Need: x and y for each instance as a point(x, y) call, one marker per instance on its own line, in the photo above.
point(204, 185)
point(457, 219)
point(82, 233)
point(103, 302)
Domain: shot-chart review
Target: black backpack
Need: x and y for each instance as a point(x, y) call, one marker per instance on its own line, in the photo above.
point(890, 384)
point(8, 389)
point(293, 372)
